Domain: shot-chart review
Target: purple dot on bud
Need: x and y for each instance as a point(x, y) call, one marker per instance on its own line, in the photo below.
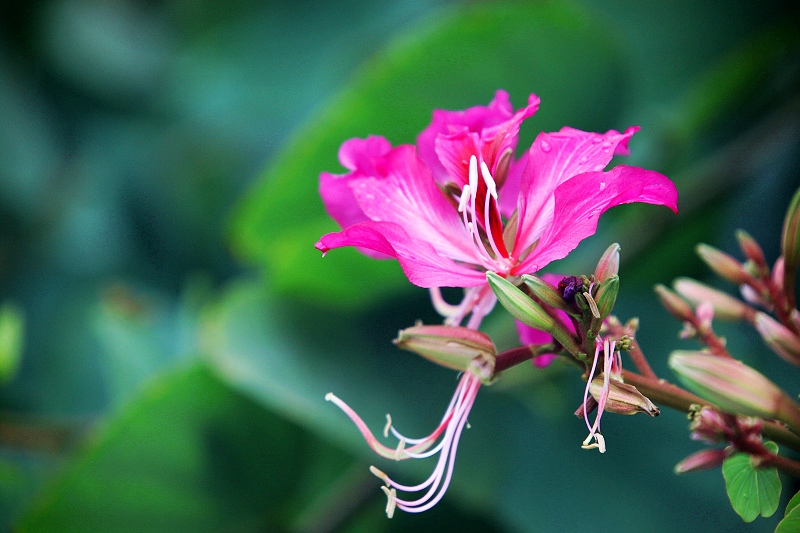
point(569, 287)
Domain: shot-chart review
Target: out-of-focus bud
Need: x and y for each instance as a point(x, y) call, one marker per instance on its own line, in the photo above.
point(751, 249)
point(676, 305)
point(726, 307)
point(778, 337)
point(12, 326)
point(623, 399)
point(754, 297)
point(790, 242)
point(734, 386)
point(548, 294)
point(710, 426)
point(606, 295)
point(529, 312)
point(453, 347)
point(609, 263)
point(702, 460)
point(779, 272)
point(723, 264)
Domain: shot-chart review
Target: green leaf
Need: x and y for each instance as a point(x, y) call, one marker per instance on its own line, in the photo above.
point(456, 61)
point(12, 326)
point(752, 490)
point(791, 519)
point(188, 454)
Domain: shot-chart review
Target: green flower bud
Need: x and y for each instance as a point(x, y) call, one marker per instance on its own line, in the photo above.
point(606, 296)
point(548, 294)
point(733, 386)
point(453, 347)
point(673, 303)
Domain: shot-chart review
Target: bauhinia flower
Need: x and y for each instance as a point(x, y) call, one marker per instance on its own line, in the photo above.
point(459, 204)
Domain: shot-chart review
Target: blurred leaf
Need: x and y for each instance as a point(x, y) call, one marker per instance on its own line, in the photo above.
point(791, 518)
point(752, 490)
point(12, 326)
point(457, 61)
point(189, 454)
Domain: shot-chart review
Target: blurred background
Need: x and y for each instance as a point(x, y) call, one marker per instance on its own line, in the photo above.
point(168, 332)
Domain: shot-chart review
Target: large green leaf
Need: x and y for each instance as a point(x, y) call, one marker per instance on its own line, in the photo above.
point(455, 61)
point(189, 454)
point(752, 490)
point(791, 519)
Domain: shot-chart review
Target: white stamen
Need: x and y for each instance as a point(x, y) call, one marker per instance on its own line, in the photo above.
point(491, 186)
point(473, 173)
point(391, 503)
point(466, 194)
point(379, 474)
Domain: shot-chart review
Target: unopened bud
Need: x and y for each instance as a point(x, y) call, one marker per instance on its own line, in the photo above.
point(519, 304)
point(751, 249)
point(547, 293)
point(790, 242)
point(676, 305)
point(710, 426)
point(726, 307)
point(623, 399)
point(733, 386)
point(453, 347)
point(606, 295)
point(723, 264)
point(609, 263)
point(779, 338)
point(527, 311)
point(702, 460)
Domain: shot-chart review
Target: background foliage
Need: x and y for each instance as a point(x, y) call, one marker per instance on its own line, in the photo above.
point(168, 331)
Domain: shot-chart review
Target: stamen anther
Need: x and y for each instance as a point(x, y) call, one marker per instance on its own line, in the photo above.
point(466, 194)
point(391, 494)
point(379, 474)
point(388, 425)
point(491, 186)
point(473, 173)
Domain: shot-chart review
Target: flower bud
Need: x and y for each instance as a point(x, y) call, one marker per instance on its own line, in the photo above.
point(623, 399)
point(733, 386)
point(519, 304)
point(547, 293)
point(676, 305)
point(450, 346)
point(702, 460)
point(723, 264)
point(751, 249)
point(790, 242)
point(726, 307)
point(609, 263)
point(710, 426)
point(529, 312)
point(779, 338)
point(606, 295)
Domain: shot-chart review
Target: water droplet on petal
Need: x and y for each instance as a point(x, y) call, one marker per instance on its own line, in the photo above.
point(597, 138)
point(583, 160)
point(545, 146)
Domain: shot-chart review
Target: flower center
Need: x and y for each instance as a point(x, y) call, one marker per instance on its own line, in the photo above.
point(481, 216)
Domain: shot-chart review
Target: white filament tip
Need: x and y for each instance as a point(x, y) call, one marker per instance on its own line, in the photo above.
point(466, 193)
point(491, 186)
point(391, 495)
point(379, 474)
point(473, 173)
point(388, 425)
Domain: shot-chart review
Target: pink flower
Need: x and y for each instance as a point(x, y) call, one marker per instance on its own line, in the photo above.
point(458, 204)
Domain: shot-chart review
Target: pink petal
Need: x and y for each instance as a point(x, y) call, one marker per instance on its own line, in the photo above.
point(408, 196)
point(419, 260)
point(455, 148)
point(474, 119)
point(579, 202)
point(363, 157)
point(553, 159)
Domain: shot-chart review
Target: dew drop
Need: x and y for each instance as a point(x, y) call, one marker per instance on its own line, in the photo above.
point(583, 160)
point(596, 139)
point(545, 146)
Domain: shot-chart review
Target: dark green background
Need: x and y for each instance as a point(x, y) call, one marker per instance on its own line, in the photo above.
point(181, 331)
